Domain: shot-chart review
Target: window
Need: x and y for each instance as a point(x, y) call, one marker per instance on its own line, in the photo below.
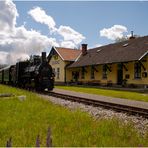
point(58, 73)
point(104, 70)
point(54, 72)
point(137, 70)
point(55, 57)
point(83, 73)
point(75, 76)
point(92, 72)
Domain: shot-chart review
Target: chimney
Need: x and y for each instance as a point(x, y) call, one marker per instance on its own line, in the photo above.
point(84, 49)
point(132, 35)
point(44, 57)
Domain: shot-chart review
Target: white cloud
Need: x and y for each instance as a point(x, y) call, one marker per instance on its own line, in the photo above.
point(39, 15)
point(24, 42)
point(114, 32)
point(33, 40)
point(8, 15)
point(71, 38)
point(13, 57)
point(17, 42)
point(3, 57)
point(70, 34)
point(68, 44)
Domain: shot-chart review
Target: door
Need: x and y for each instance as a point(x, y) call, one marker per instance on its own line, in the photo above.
point(119, 74)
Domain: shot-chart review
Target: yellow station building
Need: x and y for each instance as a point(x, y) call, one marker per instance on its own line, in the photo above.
point(124, 63)
point(60, 59)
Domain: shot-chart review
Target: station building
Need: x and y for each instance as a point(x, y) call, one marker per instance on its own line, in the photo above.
point(124, 63)
point(60, 58)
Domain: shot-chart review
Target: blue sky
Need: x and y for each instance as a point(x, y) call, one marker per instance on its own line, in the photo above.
point(88, 18)
point(30, 27)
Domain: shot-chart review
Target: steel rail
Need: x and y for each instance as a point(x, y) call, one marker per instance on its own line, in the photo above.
point(131, 110)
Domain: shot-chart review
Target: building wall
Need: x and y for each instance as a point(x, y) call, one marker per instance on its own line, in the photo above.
point(69, 74)
point(57, 63)
point(130, 72)
point(112, 77)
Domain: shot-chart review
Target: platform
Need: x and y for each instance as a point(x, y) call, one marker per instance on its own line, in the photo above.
point(133, 103)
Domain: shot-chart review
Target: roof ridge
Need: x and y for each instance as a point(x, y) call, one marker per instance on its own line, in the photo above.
point(116, 43)
point(68, 48)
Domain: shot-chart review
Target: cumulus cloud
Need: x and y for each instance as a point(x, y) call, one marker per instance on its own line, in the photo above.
point(70, 34)
point(17, 43)
point(68, 44)
point(3, 57)
point(8, 15)
point(33, 40)
point(14, 57)
point(24, 42)
point(39, 15)
point(71, 38)
point(114, 32)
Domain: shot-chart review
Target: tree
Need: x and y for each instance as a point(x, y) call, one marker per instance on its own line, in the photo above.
point(124, 38)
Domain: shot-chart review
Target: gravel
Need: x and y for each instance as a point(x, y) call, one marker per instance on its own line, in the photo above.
point(140, 123)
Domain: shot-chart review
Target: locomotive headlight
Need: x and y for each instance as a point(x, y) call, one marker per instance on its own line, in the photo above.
point(46, 89)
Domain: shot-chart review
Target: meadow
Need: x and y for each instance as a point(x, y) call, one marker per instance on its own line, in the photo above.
point(24, 119)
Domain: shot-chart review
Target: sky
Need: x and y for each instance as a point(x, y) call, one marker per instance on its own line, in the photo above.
point(30, 27)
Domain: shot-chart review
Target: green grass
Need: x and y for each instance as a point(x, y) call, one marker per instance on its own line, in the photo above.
point(111, 93)
point(24, 120)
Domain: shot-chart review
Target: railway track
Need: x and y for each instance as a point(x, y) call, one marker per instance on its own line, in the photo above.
point(117, 107)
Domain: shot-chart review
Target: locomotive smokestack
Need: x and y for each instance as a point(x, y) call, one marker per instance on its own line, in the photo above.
point(44, 57)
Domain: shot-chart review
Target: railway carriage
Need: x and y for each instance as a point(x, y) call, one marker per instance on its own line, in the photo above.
point(1, 75)
point(6, 75)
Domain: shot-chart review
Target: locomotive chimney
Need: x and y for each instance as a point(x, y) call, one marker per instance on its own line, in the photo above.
point(43, 57)
point(84, 49)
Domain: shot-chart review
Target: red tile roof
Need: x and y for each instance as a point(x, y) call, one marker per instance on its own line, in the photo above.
point(68, 54)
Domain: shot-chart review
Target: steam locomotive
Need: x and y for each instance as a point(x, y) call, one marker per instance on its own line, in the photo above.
point(35, 73)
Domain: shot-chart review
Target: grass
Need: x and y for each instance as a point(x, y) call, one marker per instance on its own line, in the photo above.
point(112, 93)
point(24, 120)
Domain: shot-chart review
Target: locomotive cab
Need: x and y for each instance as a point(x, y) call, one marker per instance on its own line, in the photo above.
point(7, 75)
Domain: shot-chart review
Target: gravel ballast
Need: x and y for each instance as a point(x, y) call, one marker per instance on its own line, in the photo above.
point(140, 123)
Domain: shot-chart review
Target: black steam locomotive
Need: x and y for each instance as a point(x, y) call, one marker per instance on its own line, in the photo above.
point(35, 73)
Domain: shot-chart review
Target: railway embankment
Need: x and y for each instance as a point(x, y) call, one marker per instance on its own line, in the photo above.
point(99, 113)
